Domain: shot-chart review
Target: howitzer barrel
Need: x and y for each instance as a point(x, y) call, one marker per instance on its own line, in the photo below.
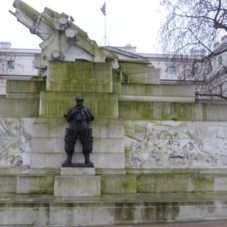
point(26, 9)
point(32, 19)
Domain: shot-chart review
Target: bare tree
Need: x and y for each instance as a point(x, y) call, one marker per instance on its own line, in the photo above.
point(192, 33)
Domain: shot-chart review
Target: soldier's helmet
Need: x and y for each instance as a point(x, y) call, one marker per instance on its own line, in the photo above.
point(79, 98)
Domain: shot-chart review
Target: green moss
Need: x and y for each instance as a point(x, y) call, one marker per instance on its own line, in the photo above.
point(80, 76)
point(41, 191)
point(56, 104)
point(29, 11)
point(49, 21)
point(158, 90)
point(36, 184)
point(162, 183)
point(118, 184)
point(16, 86)
point(202, 184)
point(129, 186)
point(159, 111)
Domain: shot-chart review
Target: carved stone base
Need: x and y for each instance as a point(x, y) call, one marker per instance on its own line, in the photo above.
point(70, 186)
point(77, 171)
point(91, 165)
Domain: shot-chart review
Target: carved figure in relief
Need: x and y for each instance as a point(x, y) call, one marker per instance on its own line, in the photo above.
point(14, 142)
point(78, 117)
point(176, 145)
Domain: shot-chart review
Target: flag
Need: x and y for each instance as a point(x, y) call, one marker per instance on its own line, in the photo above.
point(103, 9)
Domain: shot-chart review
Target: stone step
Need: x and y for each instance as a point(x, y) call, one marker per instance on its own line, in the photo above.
point(110, 210)
point(116, 181)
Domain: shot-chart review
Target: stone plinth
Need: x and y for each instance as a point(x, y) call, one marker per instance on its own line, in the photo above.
point(67, 171)
point(69, 186)
point(80, 181)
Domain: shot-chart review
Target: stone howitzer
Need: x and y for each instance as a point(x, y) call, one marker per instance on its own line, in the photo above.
point(62, 40)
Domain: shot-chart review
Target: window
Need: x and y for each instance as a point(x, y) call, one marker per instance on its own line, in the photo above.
point(172, 70)
point(10, 65)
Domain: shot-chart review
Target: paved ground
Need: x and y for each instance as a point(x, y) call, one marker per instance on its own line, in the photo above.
point(197, 224)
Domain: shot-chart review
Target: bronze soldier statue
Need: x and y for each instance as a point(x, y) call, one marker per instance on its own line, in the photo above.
point(78, 117)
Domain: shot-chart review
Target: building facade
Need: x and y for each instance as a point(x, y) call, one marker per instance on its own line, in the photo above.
point(16, 63)
point(19, 64)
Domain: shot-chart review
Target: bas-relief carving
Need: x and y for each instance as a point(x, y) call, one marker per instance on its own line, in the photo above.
point(176, 145)
point(14, 142)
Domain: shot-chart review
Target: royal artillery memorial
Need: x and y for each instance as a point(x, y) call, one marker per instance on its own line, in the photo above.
point(158, 153)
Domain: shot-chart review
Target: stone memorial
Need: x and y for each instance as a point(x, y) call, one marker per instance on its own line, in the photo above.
point(149, 140)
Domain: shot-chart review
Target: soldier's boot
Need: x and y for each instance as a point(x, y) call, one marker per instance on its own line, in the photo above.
point(69, 145)
point(68, 160)
point(86, 140)
point(87, 160)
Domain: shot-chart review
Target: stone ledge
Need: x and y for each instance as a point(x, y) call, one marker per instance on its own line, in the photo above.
point(133, 98)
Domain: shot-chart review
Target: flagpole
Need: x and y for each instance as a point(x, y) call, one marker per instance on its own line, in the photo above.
point(103, 9)
point(105, 27)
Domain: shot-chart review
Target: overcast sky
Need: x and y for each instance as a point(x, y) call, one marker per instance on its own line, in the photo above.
point(128, 21)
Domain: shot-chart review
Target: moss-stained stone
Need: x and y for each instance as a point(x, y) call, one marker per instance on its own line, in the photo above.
point(56, 104)
point(22, 95)
point(19, 107)
point(117, 87)
point(148, 212)
point(162, 183)
point(215, 111)
point(108, 171)
point(80, 77)
point(7, 184)
point(35, 184)
point(202, 183)
point(80, 211)
point(160, 111)
point(117, 81)
point(158, 90)
point(16, 171)
point(166, 211)
point(77, 186)
point(125, 212)
point(118, 184)
point(19, 86)
point(140, 72)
